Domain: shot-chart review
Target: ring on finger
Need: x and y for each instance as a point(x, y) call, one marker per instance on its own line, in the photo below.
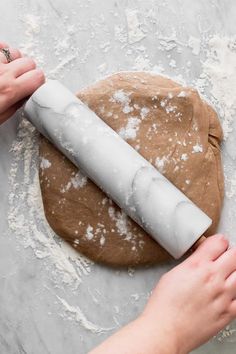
point(7, 54)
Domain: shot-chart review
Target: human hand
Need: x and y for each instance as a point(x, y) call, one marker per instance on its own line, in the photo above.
point(190, 304)
point(18, 79)
point(195, 300)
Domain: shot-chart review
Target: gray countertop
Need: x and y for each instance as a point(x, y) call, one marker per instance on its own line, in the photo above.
point(53, 300)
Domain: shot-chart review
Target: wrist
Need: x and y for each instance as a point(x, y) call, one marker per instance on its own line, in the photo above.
point(163, 339)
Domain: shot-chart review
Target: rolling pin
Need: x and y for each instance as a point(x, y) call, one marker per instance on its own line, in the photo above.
point(152, 201)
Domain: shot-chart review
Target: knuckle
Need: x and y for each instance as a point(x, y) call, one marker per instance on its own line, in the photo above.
point(10, 92)
point(217, 289)
point(3, 44)
point(220, 238)
point(40, 76)
point(210, 275)
point(194, 263)
point(18, 52)
point(7, 88)
point(30, 62)
point(219, 241)
point(216, 286)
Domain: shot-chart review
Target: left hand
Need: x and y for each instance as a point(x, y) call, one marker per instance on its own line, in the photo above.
point(18, 80)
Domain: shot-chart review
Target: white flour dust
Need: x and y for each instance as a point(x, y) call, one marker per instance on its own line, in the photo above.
point(228, 334)
point(45, 163)
point(76, 314)
point(78, 180)
point(66, 53)
point(130, 130)
point(135, 31)
point(26, 216)
point(220, 70)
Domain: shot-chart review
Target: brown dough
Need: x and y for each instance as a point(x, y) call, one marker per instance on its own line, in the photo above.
point(175, 130)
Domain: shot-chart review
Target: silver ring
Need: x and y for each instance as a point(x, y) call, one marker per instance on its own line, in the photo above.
point(7, 54)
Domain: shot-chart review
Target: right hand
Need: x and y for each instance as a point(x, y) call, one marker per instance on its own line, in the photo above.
point(190, 304)
point(196, 299)
point(18, 80)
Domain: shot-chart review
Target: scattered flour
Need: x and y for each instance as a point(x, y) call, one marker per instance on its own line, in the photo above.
point(120, 33)
point(102, 240)
point(102, 68)
point(89, 233)
point(123, 98)
point(31, 47)
point(172, 63)
point(81, 318)
point(220, 70)
point(27, 222)
point(135, 32)
point(197, 148)
point(132, 126)
point(230, 184)
point(182, 94)
point(63, 48)
point(79, 180)
point(26, 216)
point(160, 163)
point(45, 163)
point(130, 130)
point(168, 43)
point(184, 157)
point(143, 63)
point(228, 334)
point(144, 112)
point(121, 220)
point(195, 44)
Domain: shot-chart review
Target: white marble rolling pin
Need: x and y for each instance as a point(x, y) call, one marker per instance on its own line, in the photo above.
point(118, 169)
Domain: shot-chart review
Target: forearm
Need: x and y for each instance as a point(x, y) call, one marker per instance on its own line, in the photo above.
point(138, 337)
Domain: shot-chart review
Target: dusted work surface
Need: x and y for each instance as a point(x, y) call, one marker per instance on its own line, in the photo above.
point(53, 301)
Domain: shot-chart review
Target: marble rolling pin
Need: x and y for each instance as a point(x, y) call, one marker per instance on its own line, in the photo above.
point(120, 171)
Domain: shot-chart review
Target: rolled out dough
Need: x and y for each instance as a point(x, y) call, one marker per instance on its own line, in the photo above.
point(173, 128)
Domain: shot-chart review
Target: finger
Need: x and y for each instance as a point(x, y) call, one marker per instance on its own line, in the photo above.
point(21, 66)
point(14, 53)
point(226, 263)
point(3, 45)
point(28, 83)
point(212, 248)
